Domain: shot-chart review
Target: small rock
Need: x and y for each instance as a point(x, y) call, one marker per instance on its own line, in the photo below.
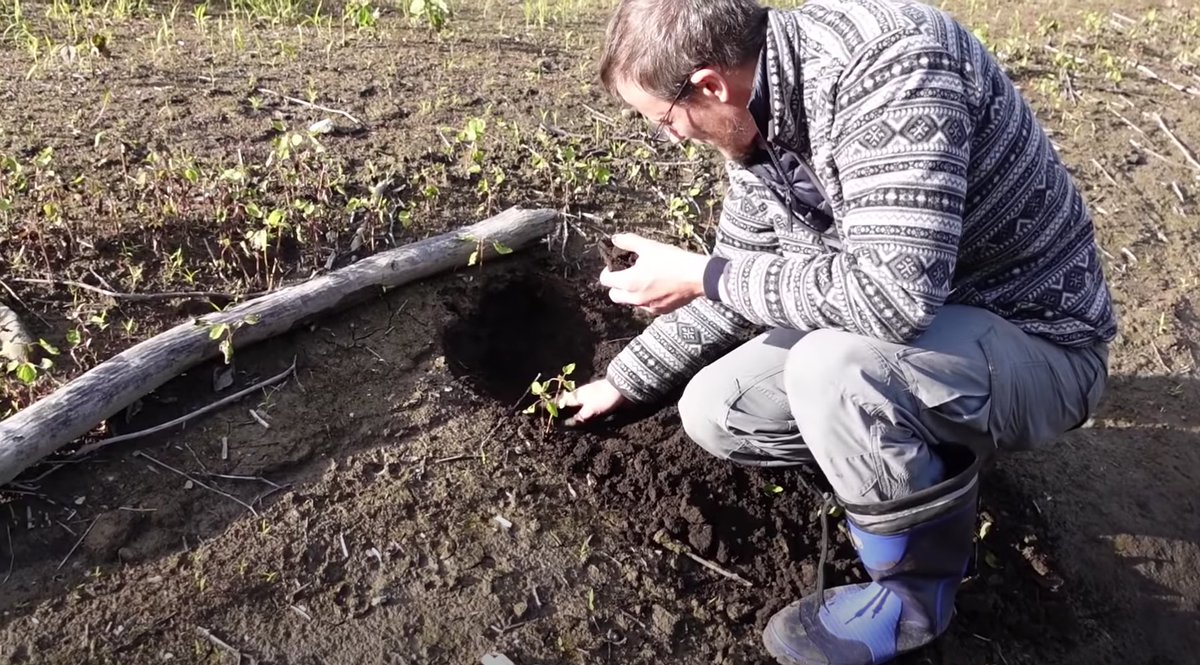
point(495, 658)
point(700, 537)
point(519, 609)
point(323, 126)
point(672, 524)
point(739, 612)
point(692, 514)
point(109, 533)
point(665, 622)
point(630, 574)
point(470, 555)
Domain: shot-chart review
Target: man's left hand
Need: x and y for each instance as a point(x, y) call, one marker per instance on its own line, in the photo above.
point(662, 279)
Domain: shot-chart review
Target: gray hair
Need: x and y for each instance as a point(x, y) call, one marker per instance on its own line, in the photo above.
point(658, 44)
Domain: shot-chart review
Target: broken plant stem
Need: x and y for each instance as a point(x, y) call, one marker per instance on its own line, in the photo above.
point(1152, 153)
point(201, 484)
point(311, 105)
point(599, 116)
point(1187, 90)
point(664, 539)
point(1105, 172)
point(1127, 121)
point(1178, 192)
point(93, 447)
point(77, 543)
point(1187, 152)
point(206, 634)
point(259, 419)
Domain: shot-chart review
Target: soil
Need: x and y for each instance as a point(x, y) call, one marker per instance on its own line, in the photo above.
point(399, 508)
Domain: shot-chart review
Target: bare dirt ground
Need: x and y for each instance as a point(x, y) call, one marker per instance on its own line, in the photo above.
point(400, 508)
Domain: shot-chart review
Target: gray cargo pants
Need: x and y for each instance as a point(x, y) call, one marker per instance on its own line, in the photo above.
point(871, 413)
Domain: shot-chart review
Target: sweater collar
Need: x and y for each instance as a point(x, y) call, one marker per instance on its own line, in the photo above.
point(760, 96)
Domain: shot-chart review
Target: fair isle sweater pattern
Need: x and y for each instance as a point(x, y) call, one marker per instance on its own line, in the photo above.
point(943, 185)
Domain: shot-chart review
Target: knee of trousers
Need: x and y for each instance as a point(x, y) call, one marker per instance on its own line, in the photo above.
point(832, 375)
point(703, 411)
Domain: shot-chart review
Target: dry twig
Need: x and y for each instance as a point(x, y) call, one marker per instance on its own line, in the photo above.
point(77, 543)
point(259, 419)
point(90, 448)
point(18, 298)
point(1105, 172)
point(1151, 152)
point(1186, 89)
point(1162, 360)
point(207, 634)
point(136, 297)
point(1127, 121)
point(662, 538)
point(1187, 152)
point(301, 102)
point(207, 487)
point(599, 116)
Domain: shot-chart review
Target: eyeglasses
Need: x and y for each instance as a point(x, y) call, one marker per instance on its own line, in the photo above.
point(657, 135)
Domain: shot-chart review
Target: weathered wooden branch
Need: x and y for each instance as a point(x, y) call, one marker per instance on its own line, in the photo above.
point(80, 405)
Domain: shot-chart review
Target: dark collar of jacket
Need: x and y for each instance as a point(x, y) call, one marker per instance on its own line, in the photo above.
point(781, 167)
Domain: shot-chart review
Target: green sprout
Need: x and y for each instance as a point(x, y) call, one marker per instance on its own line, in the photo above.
point(549, 391)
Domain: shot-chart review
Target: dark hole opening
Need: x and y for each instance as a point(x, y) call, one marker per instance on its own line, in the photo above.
point(528, 326)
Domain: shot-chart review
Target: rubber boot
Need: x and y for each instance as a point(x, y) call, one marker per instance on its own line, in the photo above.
point(916, 550)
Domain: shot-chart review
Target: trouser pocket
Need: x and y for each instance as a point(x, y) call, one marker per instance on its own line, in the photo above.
point(1039, 390)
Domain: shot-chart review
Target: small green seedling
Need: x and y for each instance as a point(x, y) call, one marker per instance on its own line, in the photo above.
point(476, 256)
point(433, 13)
point(224, 332)
point(28, 372)
point(549, 391)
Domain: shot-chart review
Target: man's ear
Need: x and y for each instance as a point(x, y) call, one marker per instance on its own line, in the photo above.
point(711, 84)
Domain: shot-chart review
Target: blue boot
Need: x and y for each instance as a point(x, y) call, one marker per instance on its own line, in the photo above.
point(916, 550)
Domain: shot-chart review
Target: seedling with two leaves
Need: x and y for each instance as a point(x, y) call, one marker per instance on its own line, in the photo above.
point(549, 391)
point(224, 332)
point(476, 256)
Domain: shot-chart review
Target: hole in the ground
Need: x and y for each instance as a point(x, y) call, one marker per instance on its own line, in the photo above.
point(527, 326)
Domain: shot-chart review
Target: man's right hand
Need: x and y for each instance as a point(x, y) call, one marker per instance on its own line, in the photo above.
point(594, 400)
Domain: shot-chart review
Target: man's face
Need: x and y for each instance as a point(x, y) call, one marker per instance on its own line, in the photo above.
point(714, 113)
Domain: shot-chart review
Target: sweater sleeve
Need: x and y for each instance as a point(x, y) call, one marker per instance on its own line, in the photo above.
point(900, 142)
point(677, 345)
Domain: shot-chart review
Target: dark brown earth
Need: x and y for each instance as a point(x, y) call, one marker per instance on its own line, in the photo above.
point(361, 526)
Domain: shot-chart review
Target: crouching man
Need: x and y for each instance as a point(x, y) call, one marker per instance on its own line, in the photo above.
point(904, 281)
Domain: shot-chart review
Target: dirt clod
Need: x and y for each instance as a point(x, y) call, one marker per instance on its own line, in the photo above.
point(110, 532)
point(664, 621)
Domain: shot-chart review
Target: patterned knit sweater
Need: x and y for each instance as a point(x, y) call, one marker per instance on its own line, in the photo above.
point(942, 185)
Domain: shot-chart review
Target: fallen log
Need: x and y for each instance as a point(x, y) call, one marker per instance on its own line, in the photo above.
point(77, 407)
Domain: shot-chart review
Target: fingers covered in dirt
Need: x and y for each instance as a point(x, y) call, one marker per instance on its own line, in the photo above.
point(593, 400)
